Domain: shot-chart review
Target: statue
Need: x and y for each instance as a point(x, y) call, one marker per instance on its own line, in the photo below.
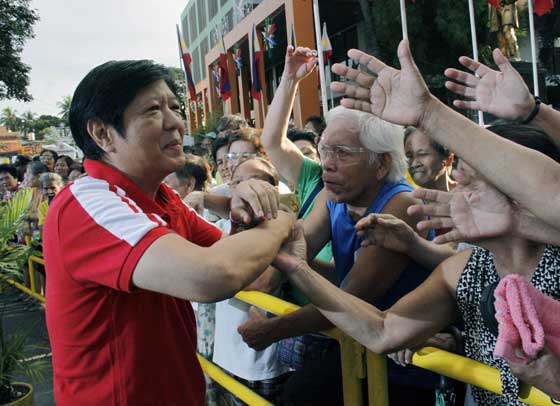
point(504, 21)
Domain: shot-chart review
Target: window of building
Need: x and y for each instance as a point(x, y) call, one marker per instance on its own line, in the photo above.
point(203, 47)
point(196, 65)
point(192, 25)
point(229, 20)
point(201, 6)
point(212, 8)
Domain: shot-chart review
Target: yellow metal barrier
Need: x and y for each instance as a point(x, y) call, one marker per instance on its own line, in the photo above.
point(31, 269)
point(231, 385)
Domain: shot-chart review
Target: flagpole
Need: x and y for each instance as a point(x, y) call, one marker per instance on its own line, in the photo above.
point(475, 50)
point(330, 80)
point(324, 101)
point(533, 50)
point(403, 20)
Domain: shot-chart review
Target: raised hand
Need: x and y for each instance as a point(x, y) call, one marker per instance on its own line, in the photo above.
point(253, 200)
point(473, 211)
point(386, 231)
point(400, 97)
point(502, 93)
point(299, 63)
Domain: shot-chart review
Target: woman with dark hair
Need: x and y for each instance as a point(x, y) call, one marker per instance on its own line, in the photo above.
point(457, 285)
point(48, 157)
point(75, 171)
point(62, 167)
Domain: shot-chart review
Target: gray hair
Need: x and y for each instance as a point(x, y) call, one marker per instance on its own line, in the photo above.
point(376, 135)
point(50, 176)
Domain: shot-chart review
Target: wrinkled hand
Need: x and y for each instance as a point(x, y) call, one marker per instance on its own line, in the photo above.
point(299, 63)
point(475, 210)
point(294, 251)
point(502, 93)
point(386, 231)
point(400, 97)
point(543, 372)
point(444, 341)
point(257, 331)
point(195, 200)
point(253, 201)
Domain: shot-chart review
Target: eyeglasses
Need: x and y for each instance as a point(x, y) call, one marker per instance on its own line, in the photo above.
point(241, 155)
point(342, 153)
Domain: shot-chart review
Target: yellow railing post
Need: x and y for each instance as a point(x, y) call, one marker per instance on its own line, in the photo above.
point(31, 270)
point(353, 371)
point(378, 394)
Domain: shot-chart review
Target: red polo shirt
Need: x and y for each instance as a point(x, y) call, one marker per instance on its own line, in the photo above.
point(112, 343)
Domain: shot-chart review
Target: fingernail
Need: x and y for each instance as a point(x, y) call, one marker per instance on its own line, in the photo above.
point(269, 216)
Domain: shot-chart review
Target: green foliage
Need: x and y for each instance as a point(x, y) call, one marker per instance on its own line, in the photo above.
point(64, 106)
point(16, 26)
point(9, 119)
point(12, 360)
point(439, 31)
point(181, 84)
point(209, 126)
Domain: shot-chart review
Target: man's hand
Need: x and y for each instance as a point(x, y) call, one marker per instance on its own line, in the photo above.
point(195, 200)
point(475, 210)
point(253, 201)
point(444, 341)
point(543, 373)
point(299, 63)
point(400, 97)
point(294, 252)
point(257, 332)
point(386, 231)
point(502, 93)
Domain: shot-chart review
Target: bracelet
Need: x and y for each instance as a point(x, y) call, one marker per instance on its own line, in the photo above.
point(535, 111)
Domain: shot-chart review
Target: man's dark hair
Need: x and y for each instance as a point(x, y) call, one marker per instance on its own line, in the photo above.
point(295, 134)
point(106, 92)
point(218, 143)
point(231, 122)
point(198, 168)
point(318, 122)
point(11, 169)
point(529, 137)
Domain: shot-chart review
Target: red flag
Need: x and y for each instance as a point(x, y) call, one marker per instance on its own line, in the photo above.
point(256, 56)
point(186, 58)
point(326, 46)
point(541, 7)
point(225, 87)
point(494, 3)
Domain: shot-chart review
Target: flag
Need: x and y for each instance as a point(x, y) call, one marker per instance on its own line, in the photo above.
point(225, 87)
point(256, 56)
point(237, 58)
point(326, 46)
point(541, 7)
point(217, 79)
point(268, 36)
point(494, 3)
point(294, 41)
point(186, 58)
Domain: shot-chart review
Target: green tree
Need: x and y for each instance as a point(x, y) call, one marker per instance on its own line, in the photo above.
point(181, 84)
point(9, 119)
point(16, 26)
point(28, 122)
point(64, 106)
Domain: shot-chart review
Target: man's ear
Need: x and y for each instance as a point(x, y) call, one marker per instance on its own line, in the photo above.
point(385, 163)
point(102, 133)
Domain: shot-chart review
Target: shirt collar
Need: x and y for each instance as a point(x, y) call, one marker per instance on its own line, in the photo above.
point(101, 170)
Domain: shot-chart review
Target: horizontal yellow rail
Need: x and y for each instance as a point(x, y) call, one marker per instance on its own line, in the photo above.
point(23, 288)
point(231, 385)
point(474, 372)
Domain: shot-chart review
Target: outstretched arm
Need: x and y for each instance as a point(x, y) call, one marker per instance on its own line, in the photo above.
point(502, 93)
point(285, 156)
point(402, 97)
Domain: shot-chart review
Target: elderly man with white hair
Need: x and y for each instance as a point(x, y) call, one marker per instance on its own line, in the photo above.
point(363, 164)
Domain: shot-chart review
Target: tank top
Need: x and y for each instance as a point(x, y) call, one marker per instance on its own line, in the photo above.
point(480, 272)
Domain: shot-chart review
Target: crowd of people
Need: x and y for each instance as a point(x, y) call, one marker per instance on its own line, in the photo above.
point(147, 244)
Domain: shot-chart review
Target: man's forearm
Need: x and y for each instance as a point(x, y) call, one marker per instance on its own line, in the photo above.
point(428, 254)
point(532, 228)
point(354, 316)
point(536, 179)
point(218, 204)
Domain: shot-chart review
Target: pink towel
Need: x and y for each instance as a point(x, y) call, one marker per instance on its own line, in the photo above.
point(527, 320)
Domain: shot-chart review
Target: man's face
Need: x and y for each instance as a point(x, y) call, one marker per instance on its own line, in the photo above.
point(221, 164)
point(347, 174)
point(7, 182)
point(239, 151)
point(51, 188)
point(152, 143)
point(425, 164)
point(307, 149)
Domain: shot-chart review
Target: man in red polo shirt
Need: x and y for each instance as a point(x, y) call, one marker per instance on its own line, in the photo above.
point(124, 255)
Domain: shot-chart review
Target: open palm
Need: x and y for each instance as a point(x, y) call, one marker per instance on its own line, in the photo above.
point(400, 97)
point(502, 93)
